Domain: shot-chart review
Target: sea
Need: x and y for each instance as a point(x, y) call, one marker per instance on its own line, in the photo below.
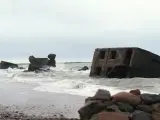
point(66, 78)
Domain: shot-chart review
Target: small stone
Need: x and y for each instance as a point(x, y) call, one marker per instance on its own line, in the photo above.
point(135, 92)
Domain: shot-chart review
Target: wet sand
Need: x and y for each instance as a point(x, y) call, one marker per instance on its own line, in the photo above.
point(20, 100)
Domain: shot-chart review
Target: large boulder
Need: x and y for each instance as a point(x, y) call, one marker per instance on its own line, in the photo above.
point(6, 65)
point(126, 97)
point(84, 68)
point(87, 111)
point(149, 99)
point(102, 94)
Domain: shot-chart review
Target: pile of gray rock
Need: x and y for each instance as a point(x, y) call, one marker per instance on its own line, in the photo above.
point(122, 106)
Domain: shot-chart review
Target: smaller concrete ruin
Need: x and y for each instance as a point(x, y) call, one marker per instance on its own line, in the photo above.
point(52, 61)
point(125, 63)
point(6, 65)
point(41, 63)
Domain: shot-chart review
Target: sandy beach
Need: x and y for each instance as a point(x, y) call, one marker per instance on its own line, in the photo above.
point(18, 99)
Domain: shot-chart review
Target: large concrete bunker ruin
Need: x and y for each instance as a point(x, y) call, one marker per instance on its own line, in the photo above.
point(125, 63)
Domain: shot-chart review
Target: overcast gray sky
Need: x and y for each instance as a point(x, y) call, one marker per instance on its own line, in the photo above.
point(74, 28)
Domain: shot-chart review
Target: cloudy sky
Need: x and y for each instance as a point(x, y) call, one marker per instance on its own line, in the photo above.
point(74, 28)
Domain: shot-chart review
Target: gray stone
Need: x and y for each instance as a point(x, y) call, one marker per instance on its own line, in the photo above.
point(90, 100)
point(102, 94)
point(113, 108)
point(139, 115)
point(125, 107)
point(145, 108)
point(150, 98)
point(90, 109)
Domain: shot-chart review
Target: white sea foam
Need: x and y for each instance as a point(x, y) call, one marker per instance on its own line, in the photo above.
point(66, 79)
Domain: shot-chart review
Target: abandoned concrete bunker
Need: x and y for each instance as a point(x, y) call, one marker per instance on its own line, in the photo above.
point(125, 63)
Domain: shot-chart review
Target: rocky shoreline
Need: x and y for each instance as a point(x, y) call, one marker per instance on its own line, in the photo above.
point(16, 115)
point(132, 105)
point(122, 106)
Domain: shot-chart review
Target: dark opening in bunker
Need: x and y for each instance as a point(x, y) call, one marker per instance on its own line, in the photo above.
point(98, 70)
point(102, 54)
point(128, 56)
point(117, 72)
point(113, 54)
point(108, 70)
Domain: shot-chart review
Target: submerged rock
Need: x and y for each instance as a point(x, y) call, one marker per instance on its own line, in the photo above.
point(84, 68)
point(6, 65)
point(21, 68)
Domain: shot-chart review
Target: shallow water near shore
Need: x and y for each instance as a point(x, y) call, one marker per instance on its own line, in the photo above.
point(63, 87)
point(66, 79)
